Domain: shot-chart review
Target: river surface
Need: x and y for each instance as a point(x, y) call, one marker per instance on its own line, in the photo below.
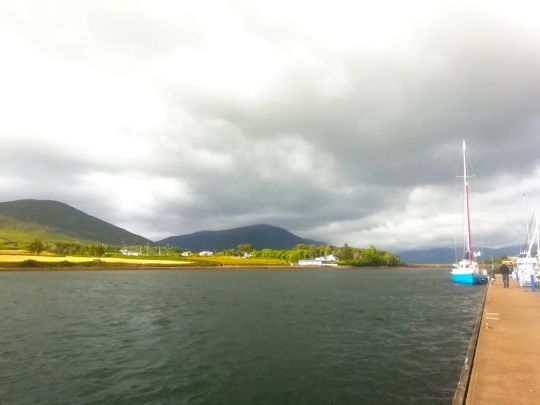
point(358, 336)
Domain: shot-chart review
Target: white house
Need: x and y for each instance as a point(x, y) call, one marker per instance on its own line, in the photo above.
point(206, 253)
point(329, 258)
point(315, 262)
point(185, 254)
point(127, 252)
point(327, 261)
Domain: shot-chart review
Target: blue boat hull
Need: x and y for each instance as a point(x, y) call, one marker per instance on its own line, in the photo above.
point(470, 278)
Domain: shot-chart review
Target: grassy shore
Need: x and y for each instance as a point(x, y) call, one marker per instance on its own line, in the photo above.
point(46, 261)
point(126, 267)
point(19, 260)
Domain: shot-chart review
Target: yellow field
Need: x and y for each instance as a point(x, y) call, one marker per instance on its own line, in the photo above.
point(72, 259)
point(238, 261)
point(13, 251)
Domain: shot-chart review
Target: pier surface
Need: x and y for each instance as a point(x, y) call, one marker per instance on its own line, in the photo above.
point(506, 367)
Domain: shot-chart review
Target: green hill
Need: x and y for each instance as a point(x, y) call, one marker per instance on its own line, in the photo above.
point(52, 220)
point(13, 230)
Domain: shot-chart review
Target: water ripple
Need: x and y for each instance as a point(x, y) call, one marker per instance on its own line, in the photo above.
point(347, 336)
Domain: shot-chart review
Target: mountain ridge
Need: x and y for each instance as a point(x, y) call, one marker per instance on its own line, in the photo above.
point(29, 219)
point(261, 236)
point(447, 255)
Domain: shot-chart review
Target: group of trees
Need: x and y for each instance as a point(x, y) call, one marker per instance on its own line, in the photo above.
point(36, 247)
point(346, 255)
point(240, 250)
point(67, 248)
point(371, 257)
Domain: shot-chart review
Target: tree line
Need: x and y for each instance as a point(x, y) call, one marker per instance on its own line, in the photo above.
point(346, 255)
point(37, 246)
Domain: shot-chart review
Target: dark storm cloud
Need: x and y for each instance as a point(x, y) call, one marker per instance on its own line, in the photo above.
point(485, 87)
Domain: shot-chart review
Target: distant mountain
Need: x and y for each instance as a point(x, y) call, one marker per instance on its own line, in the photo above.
point(55, 220)
point(448, 255)
point(260, 236)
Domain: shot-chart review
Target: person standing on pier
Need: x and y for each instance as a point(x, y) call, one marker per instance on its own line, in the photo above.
point(505, 272)
point(492, 274)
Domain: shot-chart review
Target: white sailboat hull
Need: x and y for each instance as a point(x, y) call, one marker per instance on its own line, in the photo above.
point(466, 272)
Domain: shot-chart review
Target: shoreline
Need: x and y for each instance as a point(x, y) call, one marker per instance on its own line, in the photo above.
point(429, 265)
point(201, 267)
point(137, 268)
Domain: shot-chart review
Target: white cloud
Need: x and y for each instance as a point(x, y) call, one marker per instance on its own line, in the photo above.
point(341, 121)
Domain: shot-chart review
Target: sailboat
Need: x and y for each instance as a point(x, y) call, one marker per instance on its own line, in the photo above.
point(528, 261)
point(466, 271)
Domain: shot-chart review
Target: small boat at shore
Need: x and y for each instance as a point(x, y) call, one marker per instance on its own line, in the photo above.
point(528, 260)
point(466, 271)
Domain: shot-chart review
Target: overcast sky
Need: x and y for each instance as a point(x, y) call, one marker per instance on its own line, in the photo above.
point(341, 121)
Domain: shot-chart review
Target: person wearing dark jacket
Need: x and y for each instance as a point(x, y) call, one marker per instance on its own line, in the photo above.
point(505, 272)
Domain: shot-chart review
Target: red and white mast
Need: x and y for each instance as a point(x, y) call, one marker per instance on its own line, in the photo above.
point(467, 207)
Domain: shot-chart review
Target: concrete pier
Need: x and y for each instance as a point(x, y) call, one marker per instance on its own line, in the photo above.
point(506, 363)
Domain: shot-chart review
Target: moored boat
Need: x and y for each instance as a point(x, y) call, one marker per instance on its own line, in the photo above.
point(466, 271)
point(528, 261)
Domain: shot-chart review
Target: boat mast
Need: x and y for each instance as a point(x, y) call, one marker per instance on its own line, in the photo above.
point(537, 236)
point(467, 206)
point(526, 219)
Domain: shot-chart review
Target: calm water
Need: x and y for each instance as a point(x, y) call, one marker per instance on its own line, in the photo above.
point(233, 337)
